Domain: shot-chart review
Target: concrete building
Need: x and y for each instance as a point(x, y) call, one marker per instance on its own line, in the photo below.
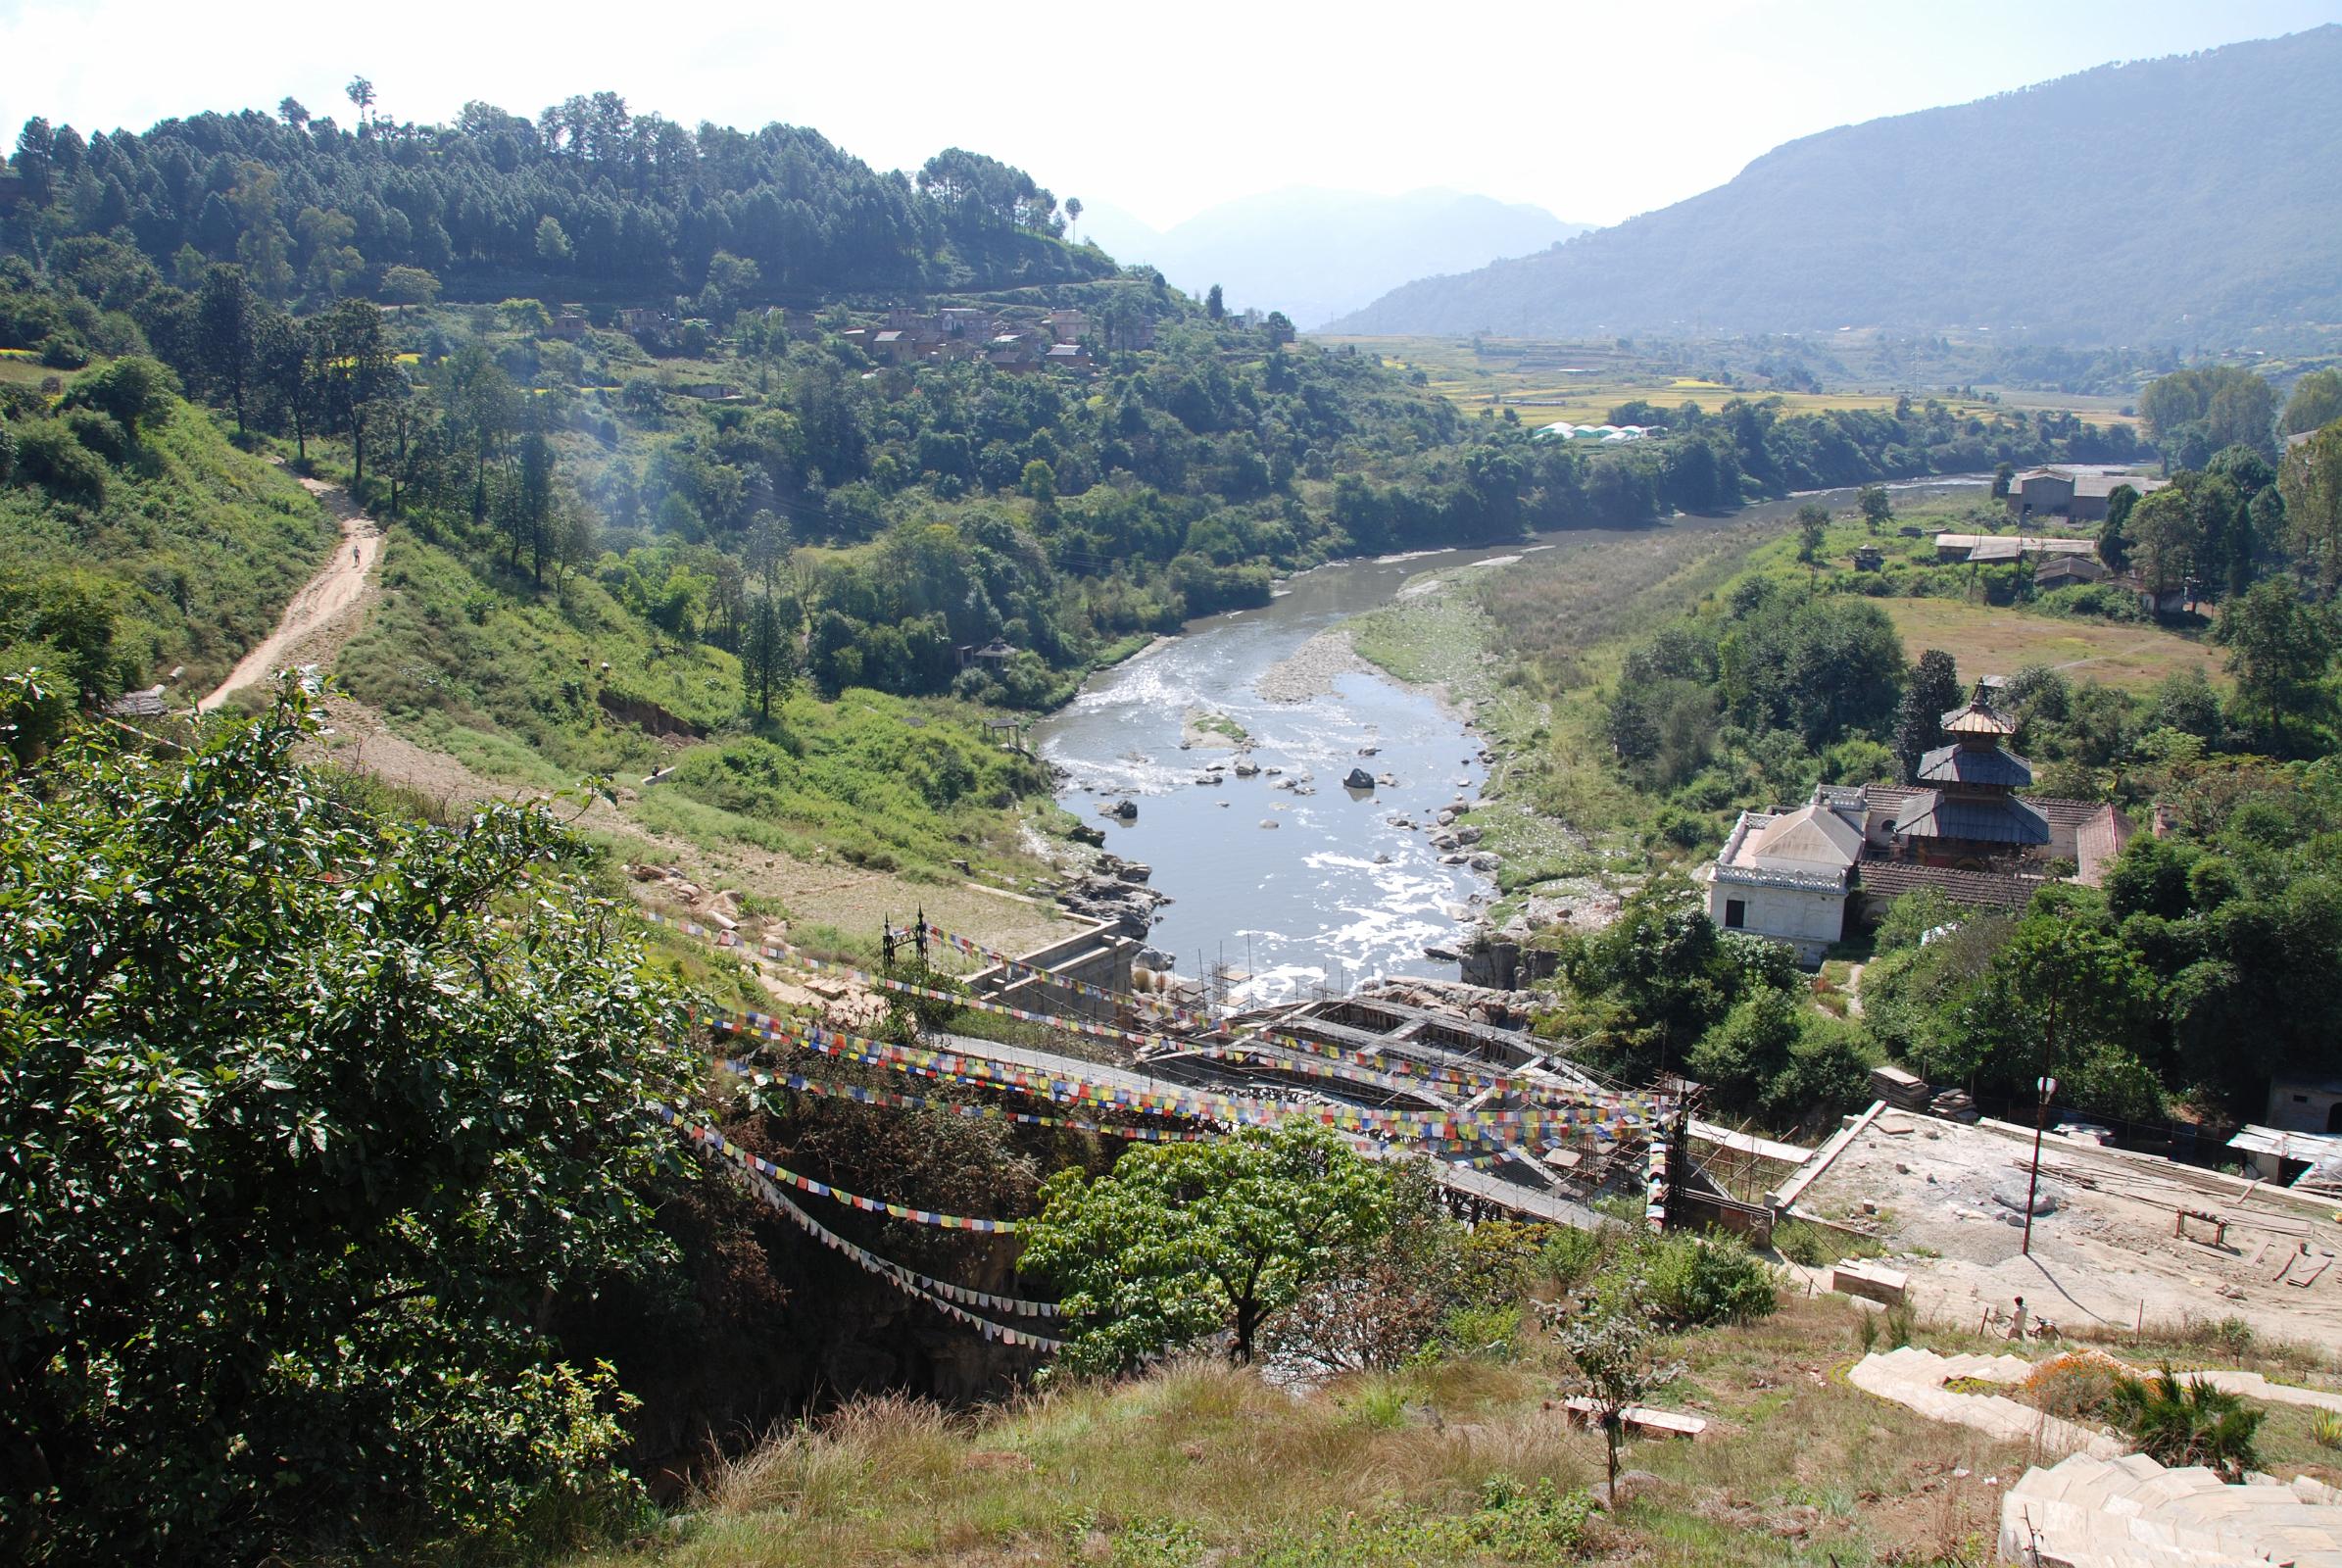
point(2078, 492)
point(1786, 874)
point(1960, 828)
point(2305, 1104)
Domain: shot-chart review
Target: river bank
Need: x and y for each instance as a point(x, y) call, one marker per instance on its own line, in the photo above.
point(1458, 690)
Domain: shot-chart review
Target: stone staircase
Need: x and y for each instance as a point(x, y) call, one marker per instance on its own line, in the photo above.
point(2130, 1512)
point(1915, 1379)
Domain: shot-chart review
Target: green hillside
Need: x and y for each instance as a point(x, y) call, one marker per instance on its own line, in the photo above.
point(2171, 201)
point(140, 548)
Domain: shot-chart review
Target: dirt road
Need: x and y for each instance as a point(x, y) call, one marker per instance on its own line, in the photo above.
point(324, 606)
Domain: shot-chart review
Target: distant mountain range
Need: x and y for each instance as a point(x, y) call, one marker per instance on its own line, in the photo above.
point(1314, 253)
point(2188, 200)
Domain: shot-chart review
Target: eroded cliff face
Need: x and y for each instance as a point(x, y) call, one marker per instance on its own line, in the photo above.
point(757, 1322)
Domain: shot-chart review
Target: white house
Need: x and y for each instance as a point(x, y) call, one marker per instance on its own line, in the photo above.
point(1785, 874)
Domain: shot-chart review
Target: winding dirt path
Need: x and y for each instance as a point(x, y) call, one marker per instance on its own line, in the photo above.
point(318, 614)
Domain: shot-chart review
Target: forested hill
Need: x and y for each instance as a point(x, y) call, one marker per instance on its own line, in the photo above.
point(2175, 200)
point(586, 201)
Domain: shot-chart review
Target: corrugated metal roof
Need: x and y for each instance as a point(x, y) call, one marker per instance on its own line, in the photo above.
point(1998, 820)
point(1974, 764)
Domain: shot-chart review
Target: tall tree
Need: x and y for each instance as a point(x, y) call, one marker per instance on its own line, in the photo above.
point(2312, 484)
point(2316, 401)
point(228, 331)
point(2281, 651)
point(2168, 534)
point(1934, 692)
point(767, 662)
point(2114, 534)
point(284, 357)
point(354, 368)
point(1813, 527)
point(1877, 507)
point(1215, 305)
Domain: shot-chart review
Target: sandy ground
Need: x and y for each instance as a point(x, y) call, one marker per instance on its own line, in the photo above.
point(1310, 670)
point(319, 614)
point(2106, 1256)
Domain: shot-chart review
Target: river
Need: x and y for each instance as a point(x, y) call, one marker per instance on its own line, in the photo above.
point(1333, 892)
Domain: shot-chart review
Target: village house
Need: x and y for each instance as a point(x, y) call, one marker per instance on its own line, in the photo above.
point(1960, 827)
point(1067, 356)
point(993, 656)
point(1067, 327)
point(2077, 493)
point(2065, 571)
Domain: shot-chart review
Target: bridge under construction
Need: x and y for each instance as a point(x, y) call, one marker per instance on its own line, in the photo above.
point(1507, 1124)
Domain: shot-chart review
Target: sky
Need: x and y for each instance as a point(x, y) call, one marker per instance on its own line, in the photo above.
point(1593, 112)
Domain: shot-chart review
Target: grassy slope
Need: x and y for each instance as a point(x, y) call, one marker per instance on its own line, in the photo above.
point(1204, 1464)
point(511, 680)
point(198, 545)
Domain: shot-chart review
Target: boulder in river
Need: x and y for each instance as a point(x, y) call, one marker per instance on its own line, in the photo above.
point(1358, 779)
point(1268, 821)
point(1127, 810)
point(1245, 767)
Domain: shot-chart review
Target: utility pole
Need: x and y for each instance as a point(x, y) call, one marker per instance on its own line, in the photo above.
point(2047, 1086)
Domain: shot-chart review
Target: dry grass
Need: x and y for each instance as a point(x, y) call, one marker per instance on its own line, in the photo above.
point(1207, 1463)
point(1983, 638)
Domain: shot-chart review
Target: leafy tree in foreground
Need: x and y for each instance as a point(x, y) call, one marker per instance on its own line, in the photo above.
point(1182, 1241)
point(308, 1119)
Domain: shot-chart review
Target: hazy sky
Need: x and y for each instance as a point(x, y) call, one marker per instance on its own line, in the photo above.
point(1594, 110)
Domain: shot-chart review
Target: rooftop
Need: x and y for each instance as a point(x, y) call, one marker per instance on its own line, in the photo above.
point(1991, 820)
point(1979, 718)
point(1974, 764)
point(1810, 840)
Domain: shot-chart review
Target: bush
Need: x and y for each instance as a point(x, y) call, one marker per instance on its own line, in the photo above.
point(135, 390)
point(1685, 1281)
point(1480, 1333)
point(1571, 1255)
point(2078, 1386)
point(100, 432)
point(48, 454)
point(1808, 1245)
point(2188, 1422)
point(62, 353)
